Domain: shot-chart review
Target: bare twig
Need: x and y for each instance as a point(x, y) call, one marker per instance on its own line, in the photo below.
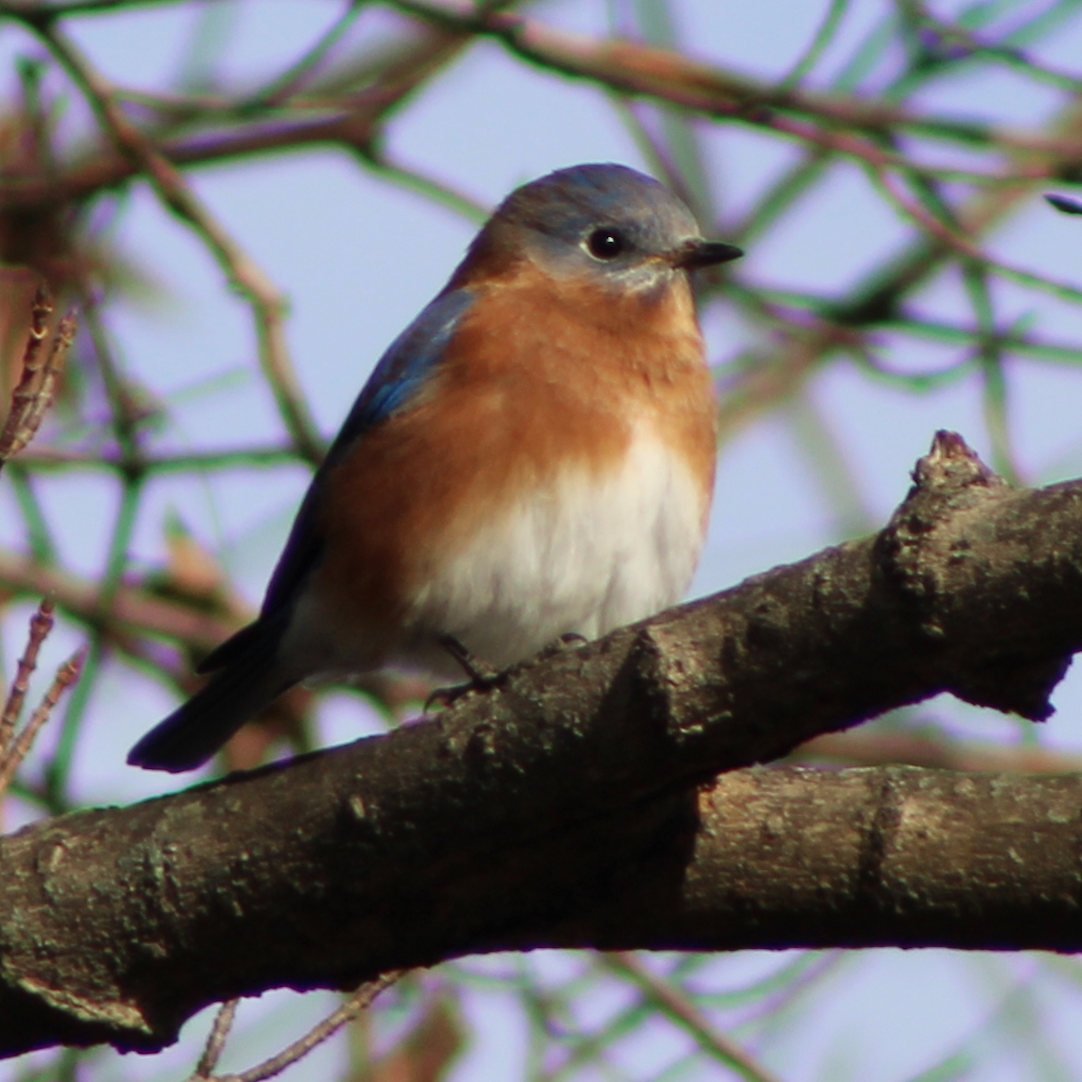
point(350, 119)
point(359, 1001)
point(212, 1051)
point(672, 1002)
point(130, 607)
point(819, 120)
point(41, 623)
point(934, 748)
point(52, 458)
point(943, 233)
point(267, 304)
point(37, 385)
point(38, 10)
point(67, 675)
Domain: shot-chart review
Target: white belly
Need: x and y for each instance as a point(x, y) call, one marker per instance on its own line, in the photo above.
point(580, 555)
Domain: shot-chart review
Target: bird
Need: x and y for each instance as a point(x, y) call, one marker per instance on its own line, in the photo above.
point(532, 458)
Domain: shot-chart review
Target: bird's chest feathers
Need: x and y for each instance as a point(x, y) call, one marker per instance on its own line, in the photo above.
point(556, 478)
point(593, 472)
point(583, 550)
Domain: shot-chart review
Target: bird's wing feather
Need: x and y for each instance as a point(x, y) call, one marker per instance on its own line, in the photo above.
point(396, 381)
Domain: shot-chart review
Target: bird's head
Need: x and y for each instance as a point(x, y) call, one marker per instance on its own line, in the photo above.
point(609, 224)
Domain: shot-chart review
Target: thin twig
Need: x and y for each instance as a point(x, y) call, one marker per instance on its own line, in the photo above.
point(942, 232)
point(41, 623)
point(280, 89)
point(131, 609)
point(663, 75)
point(34, 392)
point(349, 1010)
point(37, 9)
point(212, 1052)
point(350, 119)
point(67, 675)
point(51, 371)
point(266, 303)
point(677, 1006)
point(439, 191)
point(52, 459)
point(633, 69)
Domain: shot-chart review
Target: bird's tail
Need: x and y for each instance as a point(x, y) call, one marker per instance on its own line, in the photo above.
point(193, 733)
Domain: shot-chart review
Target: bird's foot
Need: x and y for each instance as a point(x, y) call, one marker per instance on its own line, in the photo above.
point(482, 676)
point(478, 671)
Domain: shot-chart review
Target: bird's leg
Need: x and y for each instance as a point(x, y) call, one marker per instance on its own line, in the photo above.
point(482, 676)
point(479, 672)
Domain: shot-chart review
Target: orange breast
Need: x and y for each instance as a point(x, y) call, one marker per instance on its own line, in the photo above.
point(541, 376)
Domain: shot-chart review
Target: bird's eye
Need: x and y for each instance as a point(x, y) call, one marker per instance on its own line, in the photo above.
point(605, 243)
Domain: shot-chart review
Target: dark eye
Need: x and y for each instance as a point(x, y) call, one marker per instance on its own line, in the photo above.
point(605, 244)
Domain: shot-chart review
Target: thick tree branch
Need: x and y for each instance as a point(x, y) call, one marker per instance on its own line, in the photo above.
point(561, 808)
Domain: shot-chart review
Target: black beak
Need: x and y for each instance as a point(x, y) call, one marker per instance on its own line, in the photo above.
point(705, 253)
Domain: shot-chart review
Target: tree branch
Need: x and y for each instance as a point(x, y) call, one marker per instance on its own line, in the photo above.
point(561, 808)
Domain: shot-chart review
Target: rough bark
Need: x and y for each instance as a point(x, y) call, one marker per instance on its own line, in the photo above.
point(560, 808)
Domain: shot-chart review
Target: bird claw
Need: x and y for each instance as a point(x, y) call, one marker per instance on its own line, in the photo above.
point(447, 697)
point(482, 677)
point(479, 672)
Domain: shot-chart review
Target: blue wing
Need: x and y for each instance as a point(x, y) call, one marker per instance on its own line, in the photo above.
point(400, 374)
point(404, 368)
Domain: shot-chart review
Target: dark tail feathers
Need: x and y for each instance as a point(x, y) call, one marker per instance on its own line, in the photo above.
point(192, 734)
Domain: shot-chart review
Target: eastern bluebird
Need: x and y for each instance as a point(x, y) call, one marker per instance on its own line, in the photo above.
point(532, 457)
